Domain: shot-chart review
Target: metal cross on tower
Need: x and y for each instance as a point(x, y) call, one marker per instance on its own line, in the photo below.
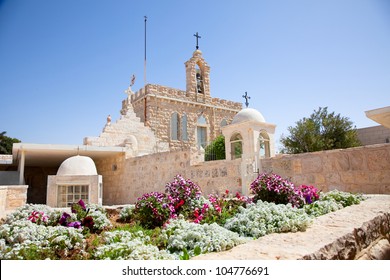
point(246, 96)
point(197, 38)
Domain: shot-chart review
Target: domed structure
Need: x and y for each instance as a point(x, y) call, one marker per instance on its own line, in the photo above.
point(248, 114)
point(77, 165)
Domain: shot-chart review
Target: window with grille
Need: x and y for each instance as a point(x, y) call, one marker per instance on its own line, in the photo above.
point(69, 194)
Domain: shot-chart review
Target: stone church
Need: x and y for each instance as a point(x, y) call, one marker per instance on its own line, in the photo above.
point(159, 118)
point(161, 132)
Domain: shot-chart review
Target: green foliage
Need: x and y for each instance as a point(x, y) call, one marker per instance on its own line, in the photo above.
point(124, 245)
point(6, 143)
point(216, 150)
point(344, 198)
point(332, 201)
point(321, 131)
point(222, 208)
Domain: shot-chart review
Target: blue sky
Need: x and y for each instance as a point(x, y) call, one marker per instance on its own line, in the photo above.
point(64, 65)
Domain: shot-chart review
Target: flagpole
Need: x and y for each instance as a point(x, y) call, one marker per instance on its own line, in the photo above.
point(146, 18)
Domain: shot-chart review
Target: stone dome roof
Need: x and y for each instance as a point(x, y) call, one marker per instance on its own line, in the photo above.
point(248, 114)
point(77, 165)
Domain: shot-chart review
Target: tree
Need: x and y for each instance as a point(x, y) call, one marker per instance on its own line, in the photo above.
point(6, 143)
point(321, 131)
point(216, 150)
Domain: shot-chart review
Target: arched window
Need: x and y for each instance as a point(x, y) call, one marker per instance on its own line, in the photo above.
point(184, 134)
point(236, 145)
point(223, 123)
point(201, 131)
point(175, 124)
point(264, 148)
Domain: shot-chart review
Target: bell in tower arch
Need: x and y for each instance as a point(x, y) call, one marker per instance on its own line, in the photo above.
point(199, 80)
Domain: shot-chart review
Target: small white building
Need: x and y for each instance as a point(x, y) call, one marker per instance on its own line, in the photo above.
point(249, 135)
point(250, 138)
point(76, 179)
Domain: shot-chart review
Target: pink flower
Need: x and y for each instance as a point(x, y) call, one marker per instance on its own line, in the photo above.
point(34, 216)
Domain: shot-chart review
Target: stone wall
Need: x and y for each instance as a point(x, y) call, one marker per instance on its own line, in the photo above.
point(12, 197)
point(374, 135)
point(362, 169)
point(127, 179)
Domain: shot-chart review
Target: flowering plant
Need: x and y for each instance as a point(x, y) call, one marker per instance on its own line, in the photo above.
point(309, 193)
point(92, 218)
point(38, 217)
point(182, 191)
point(124, 245)
point(344, 198)
point(183, 236)
point(221, 207)
point(264, 218)
point(79, 218)
point(154, 209)
point(273, 188)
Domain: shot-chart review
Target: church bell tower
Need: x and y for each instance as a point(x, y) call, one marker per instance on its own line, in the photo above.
point(198, 76)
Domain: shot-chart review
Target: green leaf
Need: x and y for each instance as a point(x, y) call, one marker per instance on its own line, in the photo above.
point(197, 251)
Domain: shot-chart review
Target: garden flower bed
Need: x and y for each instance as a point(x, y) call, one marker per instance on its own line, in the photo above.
point(177, 224)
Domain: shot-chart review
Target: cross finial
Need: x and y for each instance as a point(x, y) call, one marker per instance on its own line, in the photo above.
point(197, 38)
point(246, 96)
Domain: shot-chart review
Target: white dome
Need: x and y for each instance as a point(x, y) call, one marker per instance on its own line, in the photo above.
point(77, 165)
point(248, 114)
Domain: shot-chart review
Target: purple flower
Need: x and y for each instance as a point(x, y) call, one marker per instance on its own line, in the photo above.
point(82, 204)
point(64, 219)
point(75, 224)
point(76, 207)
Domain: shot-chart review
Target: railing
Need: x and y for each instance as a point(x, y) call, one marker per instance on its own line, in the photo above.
point(212, 151)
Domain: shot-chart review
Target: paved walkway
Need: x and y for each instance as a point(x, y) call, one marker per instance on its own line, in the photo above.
point(334, 233)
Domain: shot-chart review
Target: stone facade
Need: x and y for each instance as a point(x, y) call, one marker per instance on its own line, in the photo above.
point(156, 104)
point(124, 179)
point(358, 170)
point(12, 197)
point(363, 169)
point(374, 135)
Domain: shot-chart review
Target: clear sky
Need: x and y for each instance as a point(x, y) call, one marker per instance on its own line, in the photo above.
point(64, 65)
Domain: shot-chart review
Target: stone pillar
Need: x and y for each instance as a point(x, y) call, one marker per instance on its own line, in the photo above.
point(21, 167)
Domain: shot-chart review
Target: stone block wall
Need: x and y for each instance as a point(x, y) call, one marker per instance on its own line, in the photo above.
point(125, 180)
point(12, 197)
point(363, 169)
point(374, 135)
point(358, 170)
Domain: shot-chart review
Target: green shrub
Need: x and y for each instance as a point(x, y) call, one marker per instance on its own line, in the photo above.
point(216, 150)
